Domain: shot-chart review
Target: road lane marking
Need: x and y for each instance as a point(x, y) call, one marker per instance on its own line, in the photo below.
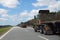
point(24, 30)
point(42, 37)
point(6, 33)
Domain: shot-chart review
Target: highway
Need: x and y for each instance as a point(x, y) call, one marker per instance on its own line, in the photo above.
point(17, 33)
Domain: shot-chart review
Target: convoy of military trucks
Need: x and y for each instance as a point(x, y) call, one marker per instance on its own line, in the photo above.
point(47, 23)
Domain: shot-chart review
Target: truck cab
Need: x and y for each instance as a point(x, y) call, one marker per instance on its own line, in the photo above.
point(47, 23)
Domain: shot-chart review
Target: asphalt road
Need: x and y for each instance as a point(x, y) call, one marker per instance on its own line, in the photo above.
point(18, 33)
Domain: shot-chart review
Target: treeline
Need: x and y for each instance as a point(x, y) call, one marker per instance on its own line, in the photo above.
point(3, 26)
point(52, 16)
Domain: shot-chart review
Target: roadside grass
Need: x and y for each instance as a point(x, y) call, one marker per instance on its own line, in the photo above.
point(3, 30)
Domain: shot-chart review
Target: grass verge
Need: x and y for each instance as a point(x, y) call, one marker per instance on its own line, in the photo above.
point(3, 30)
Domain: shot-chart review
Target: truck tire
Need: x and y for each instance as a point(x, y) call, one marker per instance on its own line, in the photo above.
point(44, 31)
point(35, 30)
point(47, 30)
point(41, 31)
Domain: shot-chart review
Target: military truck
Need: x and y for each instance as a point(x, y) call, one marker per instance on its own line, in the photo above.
point(22, 24)
point(47, 23)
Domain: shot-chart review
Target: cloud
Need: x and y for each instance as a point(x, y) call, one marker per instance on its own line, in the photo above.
point(3, 12)
point(26, 15)
point(17, 18)
point(3, 19)
point(33, 12)
point(13, 18)
point(9, 3)
point(52, 5)
point(4, 15)
point(44, 3)
point(7, 19)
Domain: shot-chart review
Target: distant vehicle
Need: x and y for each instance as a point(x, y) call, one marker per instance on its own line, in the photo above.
point(46, 26)
point(23, 25)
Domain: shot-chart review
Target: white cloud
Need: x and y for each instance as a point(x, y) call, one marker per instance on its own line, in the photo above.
point(44, 2)
point(17, 18)
point(52, 5)
point(9, 3)
point(34, 12)
point(4, 15)
point(3, 12)
point(3, 19)
point(13, 18)
point(25, 15)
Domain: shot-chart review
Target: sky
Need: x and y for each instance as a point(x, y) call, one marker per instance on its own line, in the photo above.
point(13, 12)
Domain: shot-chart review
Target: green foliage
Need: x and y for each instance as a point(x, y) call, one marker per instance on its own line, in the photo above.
point(3, 30)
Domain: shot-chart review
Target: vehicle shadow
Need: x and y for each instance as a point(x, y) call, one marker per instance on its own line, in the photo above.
point(57, 34)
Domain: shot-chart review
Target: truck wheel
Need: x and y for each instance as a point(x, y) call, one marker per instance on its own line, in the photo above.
point(41, 31)
point(35, 30)
point(44, 31)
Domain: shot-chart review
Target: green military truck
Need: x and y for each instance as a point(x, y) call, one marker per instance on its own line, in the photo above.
point(47, 23)
point(23, 25)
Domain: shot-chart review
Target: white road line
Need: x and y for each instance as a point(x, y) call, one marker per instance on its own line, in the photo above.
point(6, 33)
point(42, 37)
point(26, 30)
